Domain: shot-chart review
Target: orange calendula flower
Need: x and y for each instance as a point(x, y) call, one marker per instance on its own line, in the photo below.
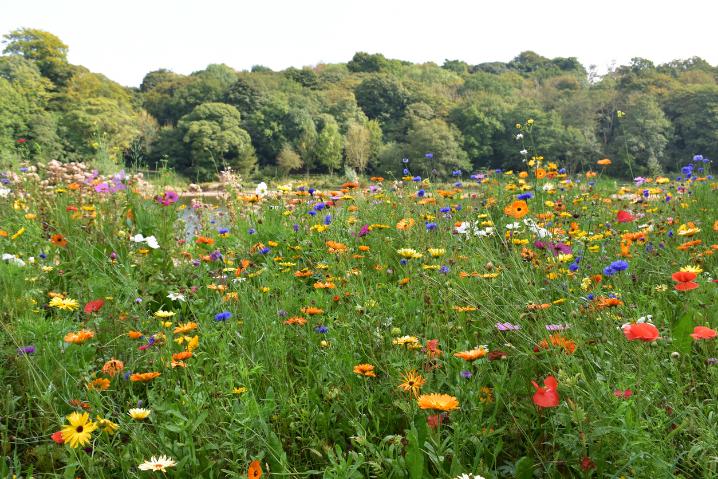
point(79, 337)
point(58, 240)
point(134, 334)
point(296, 320)
point(412, 382)
point(185, 328)
point(405, 224)
point(517, 210)
point(604, 162)
point(312, 311)
point(255, 470)
point(324, 285)
point(99, 384)
point(438, 402)
point(335, 247)
point(204, 240)
point(365, 370)
point(474, 354)
point(113, 367)
point(144, 377)
point(181, 356)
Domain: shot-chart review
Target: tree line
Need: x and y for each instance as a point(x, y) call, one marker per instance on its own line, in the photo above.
point(366, 114)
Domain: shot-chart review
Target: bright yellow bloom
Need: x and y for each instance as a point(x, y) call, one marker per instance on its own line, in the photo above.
point(139, 413)
point(66, 304)
point(79, 431)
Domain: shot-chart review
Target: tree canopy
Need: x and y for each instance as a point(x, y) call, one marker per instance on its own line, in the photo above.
point(366, 114)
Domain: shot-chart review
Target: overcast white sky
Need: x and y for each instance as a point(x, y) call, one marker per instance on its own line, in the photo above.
point(126, 39)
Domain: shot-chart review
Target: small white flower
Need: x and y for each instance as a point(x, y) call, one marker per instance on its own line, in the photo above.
point(519, 136)
point(524, 152)
point(138, 238)
point(152, 242)
point(157, 464)
point(176, 296)
point(4, 192)
point(12, 259)
point(261, 189)
point(513, 226)
point(549, 187)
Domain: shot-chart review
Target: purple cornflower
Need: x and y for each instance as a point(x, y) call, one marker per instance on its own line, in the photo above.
point(557, 327)
point(26, 350)
point(223, 316)
point(507, 326)
point(321, 329)
point(466, 374)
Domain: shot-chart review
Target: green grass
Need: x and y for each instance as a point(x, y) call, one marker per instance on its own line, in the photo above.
point(304, 412)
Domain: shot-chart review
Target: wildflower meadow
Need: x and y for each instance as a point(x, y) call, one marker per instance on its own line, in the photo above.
point(495, 324)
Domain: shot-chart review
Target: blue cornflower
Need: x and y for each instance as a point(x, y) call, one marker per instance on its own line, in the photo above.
point(620, 265)
point(406, 171)
point(265, 250)
point(312, 213)
point(223, 231)
point(319, 206)
point(327, 219)
point(405, 160)
point(403, 262)
point(444, 269)
point(466, 374)
point(295, 227)
point(223, 316)
point(445, 209)
point(456, 173)
point(429, 155)
point(416, 179)
point(311, 191)
point(321, 329)
point(430, 226)
point(525, 196)
point(420, 193)
point(251, 231)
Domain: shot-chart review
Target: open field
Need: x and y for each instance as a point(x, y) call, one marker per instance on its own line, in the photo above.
point(501, 324)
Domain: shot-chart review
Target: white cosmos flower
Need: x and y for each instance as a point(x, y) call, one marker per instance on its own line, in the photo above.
point(157, 464)
point(138, 238)
point(524, 152)
point(11, 258)
point(261, 189)
point(176, 296)
point(152, 242)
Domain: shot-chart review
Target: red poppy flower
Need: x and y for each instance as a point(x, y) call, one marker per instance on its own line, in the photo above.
point(640, 331)
point(624, 217)
point(94, 306)
point(702, 332)
point(683, 276)
point(623, 394)
point(687, 286)
point(546, 396)
point(57, 437)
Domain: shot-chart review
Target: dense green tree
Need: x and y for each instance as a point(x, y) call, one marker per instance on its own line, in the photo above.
point(215, 140)
point(44, 49)
point(382, 98)
point(693, 112)
point(433, 148)
point(329, 144)
point(288, 160)
point(357, 146)
point(367, 63)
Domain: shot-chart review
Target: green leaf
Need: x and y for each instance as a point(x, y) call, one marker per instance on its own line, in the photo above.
point(414, 457)
point(524, 468)
point(681, 331)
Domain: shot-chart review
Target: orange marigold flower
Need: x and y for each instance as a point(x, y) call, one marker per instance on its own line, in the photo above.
point(204, 240)
point(79, 337)
point(99, 384)
point(335, 247)
point(405, 224)
point(517, 210)
point(438, 402)
point(181, 356)
point(255, 470)
point(324, 285)
point(185, 328)
point(473, 354)
point(604, 162)
point(312, 310)
point(298, 320)
point(113, 367)
point(303, 273)
point(365, 370)
point(134, 334)
point(58, 240)
point(144, 377)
